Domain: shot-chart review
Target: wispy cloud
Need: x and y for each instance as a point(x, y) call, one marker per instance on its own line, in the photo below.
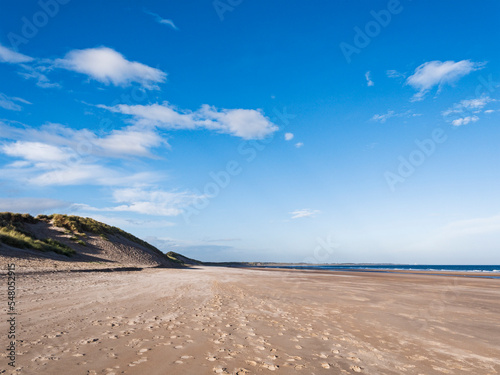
point(299, 144)
point(389, 114)
point(438, 73)
point(12, 57)
point(152, 201)
point(475, 105)
point(11, 103)
point(161, 20)
point(244, 123)
point(305, 212)
point(108, 66)
point(369, 81)
point(395, 74)
point(467, 111)
point(37, 73)
point(147, 200)
point(288, 136)
point(31, 68)
point(383, 117)
point(474, 226)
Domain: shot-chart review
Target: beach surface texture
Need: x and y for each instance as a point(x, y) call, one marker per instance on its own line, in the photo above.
point(214, 320)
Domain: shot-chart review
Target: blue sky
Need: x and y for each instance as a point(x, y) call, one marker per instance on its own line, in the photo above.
point(259, 131)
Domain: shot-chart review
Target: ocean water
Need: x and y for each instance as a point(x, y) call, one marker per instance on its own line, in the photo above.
point(474, 270)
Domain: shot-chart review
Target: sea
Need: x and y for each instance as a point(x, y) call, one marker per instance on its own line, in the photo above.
point(468, 270)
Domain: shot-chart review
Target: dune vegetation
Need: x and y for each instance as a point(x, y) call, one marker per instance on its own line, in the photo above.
point(14, 233)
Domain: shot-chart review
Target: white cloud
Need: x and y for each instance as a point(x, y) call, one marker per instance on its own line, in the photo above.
point(9, 56)
point(489, 111)
point(288, 136)
point(36, 152)
point(9, 103)
point(464, 120)
point(439, 73)
point(161, 20)
point(130, 141)
point(244, 123)
point(299, 144)
point(305, 212)
point(369, 82)
point(108, 66)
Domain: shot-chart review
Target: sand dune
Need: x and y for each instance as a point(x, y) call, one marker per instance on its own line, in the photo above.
point(106, 247)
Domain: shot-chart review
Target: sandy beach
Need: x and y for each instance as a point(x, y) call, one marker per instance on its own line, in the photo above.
point(211, 320)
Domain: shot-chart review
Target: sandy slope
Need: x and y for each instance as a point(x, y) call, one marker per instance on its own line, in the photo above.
point(235, 321)
point(116, 251)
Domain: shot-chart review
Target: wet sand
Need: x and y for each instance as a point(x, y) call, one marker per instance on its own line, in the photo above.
point(211, 320)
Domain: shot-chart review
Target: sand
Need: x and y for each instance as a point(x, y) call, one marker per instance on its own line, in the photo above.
point(212, 320)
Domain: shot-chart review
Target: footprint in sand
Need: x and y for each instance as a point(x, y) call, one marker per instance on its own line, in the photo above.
point(220, 370)
point(242, 371)
point(270, 367)
point(356, 368)
point(139, 361)
point(89, 341)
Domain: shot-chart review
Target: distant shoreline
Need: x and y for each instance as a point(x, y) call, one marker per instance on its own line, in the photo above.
point(450, 273)
point(365, 266)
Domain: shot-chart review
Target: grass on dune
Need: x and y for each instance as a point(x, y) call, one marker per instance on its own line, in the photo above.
point(15, 238)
